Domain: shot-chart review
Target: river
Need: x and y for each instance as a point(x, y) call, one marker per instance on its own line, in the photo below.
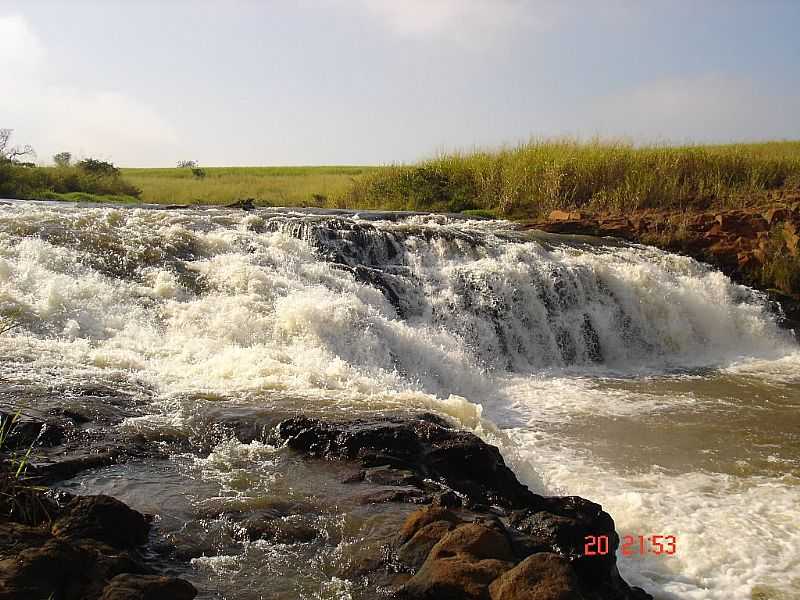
point(643, 380)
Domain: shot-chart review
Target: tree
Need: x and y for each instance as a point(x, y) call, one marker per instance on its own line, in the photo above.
point(62, 159)
point(12, 153)
point(97, 167)
point(187, 164)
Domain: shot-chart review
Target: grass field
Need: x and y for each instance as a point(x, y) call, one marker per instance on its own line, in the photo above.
point(273, 186)
point(516, 182)
point(532, 179)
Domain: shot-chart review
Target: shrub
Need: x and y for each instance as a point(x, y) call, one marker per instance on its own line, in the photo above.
point(62, 159)
point(97, 167)
point(92, 177)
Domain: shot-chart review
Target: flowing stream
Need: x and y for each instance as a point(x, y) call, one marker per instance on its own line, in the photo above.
point(640, 379)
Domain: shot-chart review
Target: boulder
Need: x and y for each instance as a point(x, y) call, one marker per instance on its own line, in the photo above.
point(102, 518)
point(416, 449)
point(423, 517)
point(562, 529)
point(148, 587)
point(462, 564)
point(56, 567)
point(414, 551)
point(541, 576)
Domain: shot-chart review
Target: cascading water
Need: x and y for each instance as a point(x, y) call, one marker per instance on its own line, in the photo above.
point(638, 378)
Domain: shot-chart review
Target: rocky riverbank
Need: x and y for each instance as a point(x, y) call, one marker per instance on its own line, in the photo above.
point(759, 247)
point(466, 527)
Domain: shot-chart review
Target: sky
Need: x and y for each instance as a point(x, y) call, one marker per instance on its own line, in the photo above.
point(306, 82)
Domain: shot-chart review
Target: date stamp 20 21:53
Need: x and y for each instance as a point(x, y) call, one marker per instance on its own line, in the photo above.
point(642, 545)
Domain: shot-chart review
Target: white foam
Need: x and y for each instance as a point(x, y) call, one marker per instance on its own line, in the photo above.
point(735, 534)
point(217, 309)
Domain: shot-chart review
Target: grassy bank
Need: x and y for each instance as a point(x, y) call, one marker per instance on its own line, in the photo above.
point(535, 178)
point(275, 186)
point(526, 181)
point(92, 181)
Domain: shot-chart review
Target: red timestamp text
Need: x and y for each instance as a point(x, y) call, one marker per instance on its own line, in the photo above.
point(598, 545)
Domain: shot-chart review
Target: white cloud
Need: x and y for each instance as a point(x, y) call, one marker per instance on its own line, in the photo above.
point(54, 117)
point(710, 107)
point(462, 18)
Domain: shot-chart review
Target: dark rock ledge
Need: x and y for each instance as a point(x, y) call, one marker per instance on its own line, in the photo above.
point(478, 532)
point(482, 534)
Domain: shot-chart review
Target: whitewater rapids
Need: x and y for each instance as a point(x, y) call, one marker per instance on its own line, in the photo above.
point(640, 379)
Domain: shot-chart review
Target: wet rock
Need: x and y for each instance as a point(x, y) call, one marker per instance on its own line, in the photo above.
point(148, 587)
point(67, 468)
point(17, 537)
point(435, 541)
point(44, 571)
point(90, 543)
point(102, 518)
point(481, 522)
point(279, 530)
point(243, 204)
point(414, 551)
point(389, 476)
point(541, 576)
point(562, 529)
point(462, 564)
point(448, 500)
point(424, 517)
point(416, 448)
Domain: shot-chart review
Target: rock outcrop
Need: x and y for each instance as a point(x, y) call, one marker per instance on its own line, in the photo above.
point(407, 451)
point(471, 530)
point(484, 535)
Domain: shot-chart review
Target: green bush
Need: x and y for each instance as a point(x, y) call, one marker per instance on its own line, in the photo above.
point(89, 177)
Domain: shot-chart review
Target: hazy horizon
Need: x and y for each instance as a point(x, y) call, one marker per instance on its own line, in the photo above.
point(365, 82)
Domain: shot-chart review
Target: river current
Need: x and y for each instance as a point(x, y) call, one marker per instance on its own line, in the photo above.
point(642, 380)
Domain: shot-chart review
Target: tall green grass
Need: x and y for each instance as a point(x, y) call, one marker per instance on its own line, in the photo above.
point(20, 500)
point(537, 177)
